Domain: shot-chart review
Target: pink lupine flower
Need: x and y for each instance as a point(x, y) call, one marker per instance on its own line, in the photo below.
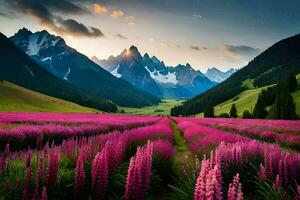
point(100, 174)
point(38, 182)
point(196, 167)
point(27, 181)
point(138, 176)
point(201, 180)
point(17, 184)
point(235, 189)
point(7, 186)
point(27, 158)
point(277, 183)
point(298, 193)
point(286, 168)
point(213, 186)
point(52, 169)
point(3, 157)
point(44, 194)
point(163, 149)
point(79, 177)
point(209, 182)
point(262, 173)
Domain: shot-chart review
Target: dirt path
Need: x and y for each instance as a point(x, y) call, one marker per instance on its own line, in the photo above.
point(183, 154)
point(182, 157)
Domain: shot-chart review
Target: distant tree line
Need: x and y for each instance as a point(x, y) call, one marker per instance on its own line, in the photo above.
point(277, 102)
point(274, 102)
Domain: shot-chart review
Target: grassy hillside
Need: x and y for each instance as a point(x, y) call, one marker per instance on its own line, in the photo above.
point(246, 101)
point(16, 98)
point(162, 108)
point(273, 65)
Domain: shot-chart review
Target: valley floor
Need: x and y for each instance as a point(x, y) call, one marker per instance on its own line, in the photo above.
point(163, 108)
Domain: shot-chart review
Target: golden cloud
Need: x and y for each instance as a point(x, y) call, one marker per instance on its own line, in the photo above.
point(99, 9)
point(117, 13)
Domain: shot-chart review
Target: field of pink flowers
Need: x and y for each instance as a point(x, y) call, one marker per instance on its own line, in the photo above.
point(104, 156)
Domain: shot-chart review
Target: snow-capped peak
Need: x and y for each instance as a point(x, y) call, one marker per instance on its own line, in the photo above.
point(168, 78)
point(217, 75)
point(34, 42)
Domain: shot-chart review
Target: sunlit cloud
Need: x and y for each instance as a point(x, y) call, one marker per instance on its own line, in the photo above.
point(47, 14)
point(99, 9)
point(116, 14)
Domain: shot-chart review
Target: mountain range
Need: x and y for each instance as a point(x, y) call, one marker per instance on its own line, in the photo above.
point(271, 66)
point(152, 75)
point(45, 63)
point(217, 75)
point(55, 56)
point(18, 68)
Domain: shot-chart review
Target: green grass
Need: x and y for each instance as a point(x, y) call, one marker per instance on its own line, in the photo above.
point(16, 98)
point(163, 108)
point(244, 101)
point(248, 83)
point(247, 100)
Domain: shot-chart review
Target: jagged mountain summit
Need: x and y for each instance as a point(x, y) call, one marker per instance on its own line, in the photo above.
point(52, 53)
point(217, 75)
point(152, 75)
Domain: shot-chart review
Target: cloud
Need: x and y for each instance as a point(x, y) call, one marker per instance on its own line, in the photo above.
point(44, 12)
point(197, 16)
point(131, 21)
point(197, 48)
point(73, 27)
point(116, 14)
point(242, 50)
point(99, 9)
point(119, 35)
point(62, 6)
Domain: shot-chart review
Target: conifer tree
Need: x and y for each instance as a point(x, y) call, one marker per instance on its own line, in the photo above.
point(209, 111)
point(247, 114)
point(233, 111)
point(292, 83)
point(259, 111)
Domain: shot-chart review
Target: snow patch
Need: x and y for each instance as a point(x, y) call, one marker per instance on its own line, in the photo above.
point(168, 78)
point(62, 53)
point(115, 72)
point(33, 46)
point(29, 70)
point(47, 58)
point(54, 42)
point(66, 75)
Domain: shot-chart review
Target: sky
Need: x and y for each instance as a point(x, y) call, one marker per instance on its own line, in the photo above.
point(205, 33)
